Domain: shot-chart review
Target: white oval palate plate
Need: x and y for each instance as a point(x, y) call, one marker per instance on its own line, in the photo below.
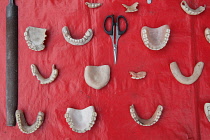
point(81, 120)
point(155, 38)
point(97, 77)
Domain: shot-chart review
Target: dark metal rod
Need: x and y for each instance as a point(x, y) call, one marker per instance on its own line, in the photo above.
point(11, 62)
point(11, 1)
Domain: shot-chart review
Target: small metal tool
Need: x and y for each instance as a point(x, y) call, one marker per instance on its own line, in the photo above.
point(11, 62)
point(149, 1)
point(115, 28)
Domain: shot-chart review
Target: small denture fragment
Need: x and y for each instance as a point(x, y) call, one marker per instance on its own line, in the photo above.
point(132, 8)
point(138, 75)
point(93, 5)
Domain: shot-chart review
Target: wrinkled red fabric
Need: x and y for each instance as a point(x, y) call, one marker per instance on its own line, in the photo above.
point(183, 115)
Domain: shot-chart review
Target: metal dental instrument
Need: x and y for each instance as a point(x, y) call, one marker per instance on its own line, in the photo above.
point(115, 32)
point(149, 1)
point(11, 62)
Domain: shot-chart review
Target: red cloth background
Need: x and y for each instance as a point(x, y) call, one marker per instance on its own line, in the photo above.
point(183, 115)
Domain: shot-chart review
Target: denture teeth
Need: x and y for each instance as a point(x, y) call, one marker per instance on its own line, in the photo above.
point(23, 125)
point(137, 119)
point(146, 42)
point(150, 39)
point(90, 124)
point(86, 38)
point(191, 11)
point(144, 31)
point(167, 35)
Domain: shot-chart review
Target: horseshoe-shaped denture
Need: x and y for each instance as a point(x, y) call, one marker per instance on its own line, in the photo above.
point(207, 34)
point(155, 117)
point(81, 120)
point(86, 38)
point(183, 79)
point(93, 5)
point(138, 75)
point(43, 80)
point(207, 110)
point(22, 124)
point(191, 11)
point(35, 38)
point(155, 38)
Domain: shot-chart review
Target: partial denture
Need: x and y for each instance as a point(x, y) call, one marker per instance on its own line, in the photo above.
point(138, 75)
point(191, 11)
point(43, 80)
point(93, 5)
point(132, 8)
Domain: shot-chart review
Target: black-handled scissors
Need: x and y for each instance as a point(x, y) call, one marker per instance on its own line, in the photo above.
point(115, 29)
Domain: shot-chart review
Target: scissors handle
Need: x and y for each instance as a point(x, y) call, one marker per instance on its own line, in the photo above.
point(113, 24)
point(118, 25)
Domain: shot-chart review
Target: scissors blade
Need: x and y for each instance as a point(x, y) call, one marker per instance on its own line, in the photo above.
point(115, 53)
point(149, 1)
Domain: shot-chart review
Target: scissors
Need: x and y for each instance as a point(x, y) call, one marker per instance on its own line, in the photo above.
point(115, 28)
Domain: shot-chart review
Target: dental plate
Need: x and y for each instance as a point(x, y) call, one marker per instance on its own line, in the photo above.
point(132, 8)
point(146, 122)
point(207, 34)
point(97, 77)
point(82, 120)
point(183, 79)
point(35, 38)
point(43, 80)
point(93, 5)
point(138, 75)
point(191, 11)
point(155, 38)
point(86, 38)
point(22, 124)
point(207, 110)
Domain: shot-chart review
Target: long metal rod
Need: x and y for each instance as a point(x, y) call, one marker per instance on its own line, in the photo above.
point(11, 62)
